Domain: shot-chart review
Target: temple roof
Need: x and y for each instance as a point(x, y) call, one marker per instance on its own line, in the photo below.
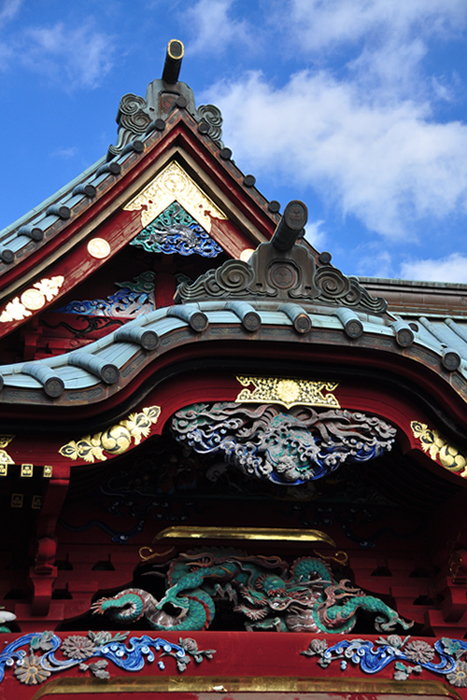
point(286, 294)
point(444, 342)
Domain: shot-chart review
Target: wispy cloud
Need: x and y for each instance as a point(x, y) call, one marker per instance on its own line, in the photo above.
point(318, 25)
point(448, 269)
point(80, 56)
point(366, 137)
point(65, 153)
point(386, 164)
point(315, 235)
point(75, 57)
point(9, 9)
point(214, 27)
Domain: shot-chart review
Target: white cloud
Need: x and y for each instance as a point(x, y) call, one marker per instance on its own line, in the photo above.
point(214, 27)
point(76, 57)
point(450, 269)
point(365, 137)
point(317, 24)
point(374, 261)
point(79, 56)
point(65, 153)
point(9, 9)
point(315, 235)
point(387, 164)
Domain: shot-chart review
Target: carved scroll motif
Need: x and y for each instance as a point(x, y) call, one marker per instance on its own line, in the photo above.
point(134, 298)
point(115, 440)
point(285, 448)
point(213, 117)
point(280, 276)
point(439, 449)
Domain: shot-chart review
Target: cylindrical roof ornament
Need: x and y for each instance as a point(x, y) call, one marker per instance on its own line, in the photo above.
point(291, 225)
point(173, 61)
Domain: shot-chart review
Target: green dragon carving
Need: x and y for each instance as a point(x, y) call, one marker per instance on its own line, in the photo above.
point(272, 596)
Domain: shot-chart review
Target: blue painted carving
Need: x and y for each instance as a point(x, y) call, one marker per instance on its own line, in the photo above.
point(33, 660)
point(175, 231)
point(444, 657)
point(133, 299)
point(285, 448)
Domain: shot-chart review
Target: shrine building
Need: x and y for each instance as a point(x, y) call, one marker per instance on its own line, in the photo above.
point(225, 466)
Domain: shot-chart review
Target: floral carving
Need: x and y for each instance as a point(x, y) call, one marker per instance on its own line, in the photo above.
point(288, 392)
point(33, 668)
point(419, 651)
point(373, 657)
point(78, 647)
point(458, 677)
point(30, 671)
point(32, 299)
point(116, 439)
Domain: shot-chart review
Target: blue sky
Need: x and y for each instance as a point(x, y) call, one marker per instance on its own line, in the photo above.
point(358, 107)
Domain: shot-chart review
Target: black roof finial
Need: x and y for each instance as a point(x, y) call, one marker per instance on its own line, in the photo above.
point(173, 61)
point(291, 226)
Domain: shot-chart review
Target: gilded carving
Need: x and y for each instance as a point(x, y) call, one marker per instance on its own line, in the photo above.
point(5, 458)
point(288, 392)
point(174, 184)
point(5, 440)
point(32, 299)
point(98, 248)
point(439, 449)
point(116, 440)
point(266, 534)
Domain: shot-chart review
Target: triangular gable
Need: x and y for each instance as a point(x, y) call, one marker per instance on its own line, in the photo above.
point(78, 235)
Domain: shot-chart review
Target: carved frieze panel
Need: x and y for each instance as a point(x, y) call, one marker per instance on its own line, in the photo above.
point(176, 231)
point(135, 297)
point(288, 448)
point(266, 591)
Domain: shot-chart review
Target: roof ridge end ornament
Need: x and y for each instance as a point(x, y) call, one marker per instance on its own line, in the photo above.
point(138, 116)
point(283, 270)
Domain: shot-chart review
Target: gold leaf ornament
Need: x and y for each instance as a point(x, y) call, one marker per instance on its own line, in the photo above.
point(173, 184)
point(288, 392)
point(4, 456)
point(439, 449)
point(32, 299)
point(115, 440)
